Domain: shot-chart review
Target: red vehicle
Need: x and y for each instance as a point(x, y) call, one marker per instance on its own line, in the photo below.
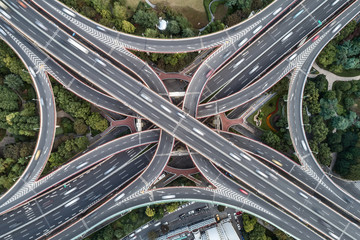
point(238, 213)
point(22, 4)
point(243, 191)
point(315, 38)
point(209, 73)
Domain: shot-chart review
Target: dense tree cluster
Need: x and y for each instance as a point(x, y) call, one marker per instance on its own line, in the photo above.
point(342, 53)
point(169, 62)
point(133, 220)
point(241, 9)
point(79, 109)
point(65, 151)
point(332, 123)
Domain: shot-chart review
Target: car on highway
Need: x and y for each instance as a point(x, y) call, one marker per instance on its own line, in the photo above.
point(209, 73)
point(181, 216)
point(191, 212)
point(227, 54)
point(37, 155)
point(242, 42)
point(217, 218)
point(277, 162)
point(41, 25)
point(261, 173)
point(303, 195)
point(315, 38)
point(20, 2)
point(243, 191)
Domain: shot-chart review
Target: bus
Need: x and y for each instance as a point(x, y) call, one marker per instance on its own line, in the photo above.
point(78, 45)
point(37, 155)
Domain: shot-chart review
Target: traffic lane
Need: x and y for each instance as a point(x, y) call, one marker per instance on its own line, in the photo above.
point(114, 49)
point(283, 188)
point(209, 171)
point(345, 17)
point(255, 51)
point(70, 204)
point(178, 45)
point(160, 159)
point(143, 89)
point(249, 93)
point(75, 85)
point(157, 163)
point(269, 154)
point(89, 159)
point(47, 119)
point(230, 102)
point(256, 48)
point(239, 111)
point(214, 61)
point(185, 194)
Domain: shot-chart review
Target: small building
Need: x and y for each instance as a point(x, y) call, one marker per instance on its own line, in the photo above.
point(162, 24)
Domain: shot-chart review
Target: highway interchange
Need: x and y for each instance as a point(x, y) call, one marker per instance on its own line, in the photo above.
point(312, 207)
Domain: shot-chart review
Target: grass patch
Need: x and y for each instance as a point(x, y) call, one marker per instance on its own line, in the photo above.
point(193, 10)
point(133, 3)
point(206, 6)
point(349, 73)
point(268, 108)
point(344, 73)
point(219, 9)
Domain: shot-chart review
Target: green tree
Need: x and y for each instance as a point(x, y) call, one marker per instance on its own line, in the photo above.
point(67, 125)
point(100, 5)
point(119, 11)
point(324, 155)
point(258, 233)
point(348, 102)
point(340, 122)
point(80, 127)
point(328, 55)
point(150, 212)
point(173, 27)
point(328, 108)
point(312, 98)
point(108, 233)
point(97, 122)
point(145, 19)
point(319, 130)
point(29, 110)
point(14, 82)
point(321, 83)
point(280, 235)
point(151, 33)
point(187, 32)
point(127, 27)
point(271, 139)
point(249, 222)
point(172, 207)
point(354, 172)
point(118, 233)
